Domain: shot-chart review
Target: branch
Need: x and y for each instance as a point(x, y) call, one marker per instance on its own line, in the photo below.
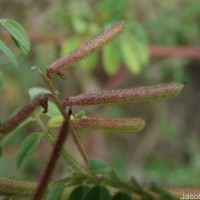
point(192, 52)
point(48, 172)
point(12, 187)
point(187, 51)
point(19, 188)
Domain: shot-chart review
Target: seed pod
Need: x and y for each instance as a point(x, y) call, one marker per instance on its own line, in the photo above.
point(134, 95)
point(130, 124)
point(25, 111)
point(85, 49)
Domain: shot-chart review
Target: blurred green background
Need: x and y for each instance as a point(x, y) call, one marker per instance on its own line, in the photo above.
point(167, 151)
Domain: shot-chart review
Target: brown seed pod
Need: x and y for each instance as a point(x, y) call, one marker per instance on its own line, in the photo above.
point(134, 95)
point(130, 124)
point(85, 49)
point(25, 111)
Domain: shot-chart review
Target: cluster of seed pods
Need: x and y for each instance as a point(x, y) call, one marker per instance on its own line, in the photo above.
point(132, 95)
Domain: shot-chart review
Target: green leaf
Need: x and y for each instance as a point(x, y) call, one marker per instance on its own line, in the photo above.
point(142, 51)
point(13, 134)
point(90, 62)
point(37, 90)
point(98, 166)
point(79, 25)
point(79, 192)
point(18, 33)
point(121, 196)
point(111, 58)
point(8, 53)
point(129, 54)
point(79, 114)
point(140, 32)
point(26, 150)
point(97, 193)
point(19, 45)
point(55, 122)
point(136, 186)
point(69, 45)
point(1, 79)
point(115, 175)
point(52, 108)
point(55, 191)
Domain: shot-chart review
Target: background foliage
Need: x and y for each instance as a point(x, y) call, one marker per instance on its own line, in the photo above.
point(166, 151)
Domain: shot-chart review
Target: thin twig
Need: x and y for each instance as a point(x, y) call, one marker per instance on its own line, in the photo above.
point(78, 143)
point(65, 155)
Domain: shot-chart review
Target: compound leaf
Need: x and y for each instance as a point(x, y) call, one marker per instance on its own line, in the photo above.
point(129, 54)
point(98, 166)
point(18, 34)
point(8, 52)
point(55, 191)
point(111, 58)
point(79, 192)
point(97, 193)
point(121, 196)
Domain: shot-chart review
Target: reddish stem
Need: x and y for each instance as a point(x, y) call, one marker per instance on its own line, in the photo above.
point(41, 189)
point(183, 51)
point(155, 50)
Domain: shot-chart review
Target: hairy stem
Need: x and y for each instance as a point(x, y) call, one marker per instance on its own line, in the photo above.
point(12, 187)
point(66, 156)
point(78, 143)
point(57, 147)
point(49, 169)
point(21, 189)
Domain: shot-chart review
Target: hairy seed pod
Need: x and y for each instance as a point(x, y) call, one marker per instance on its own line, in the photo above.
point(130, 124)
point(25, 111)
point(85, 49)
point(134, 95)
